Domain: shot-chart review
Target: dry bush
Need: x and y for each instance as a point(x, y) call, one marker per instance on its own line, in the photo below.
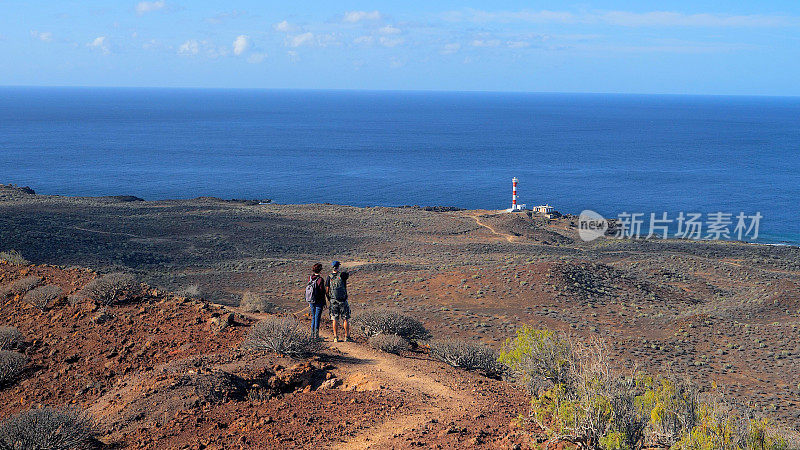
point(389, 343)
point(282, 335)
point(11, 366)
point(102, 316)
point(628, 419)
point(76, 299)
point(254, 302)
point(47, 428)
point(388, 321)
point(217, 386)
point(10, 338)
point(467, 355)
point(191, 291)
point(14, 257)
point(21, 286)
point(111, 288)
point(42, 296)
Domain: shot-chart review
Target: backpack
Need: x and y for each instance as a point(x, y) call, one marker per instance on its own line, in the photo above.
point(337, 287)
point(312, 291)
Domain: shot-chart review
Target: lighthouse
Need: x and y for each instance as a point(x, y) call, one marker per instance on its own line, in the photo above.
point(514, 205)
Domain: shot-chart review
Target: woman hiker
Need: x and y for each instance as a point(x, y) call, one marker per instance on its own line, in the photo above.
point(315, 296)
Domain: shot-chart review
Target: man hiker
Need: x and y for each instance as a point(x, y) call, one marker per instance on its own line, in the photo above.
point(315, 296)
point(336, 290)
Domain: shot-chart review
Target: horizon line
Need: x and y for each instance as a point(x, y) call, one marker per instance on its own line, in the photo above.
point(454, 91)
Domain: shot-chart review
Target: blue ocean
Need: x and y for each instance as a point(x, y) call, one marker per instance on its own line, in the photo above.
point(608, 153)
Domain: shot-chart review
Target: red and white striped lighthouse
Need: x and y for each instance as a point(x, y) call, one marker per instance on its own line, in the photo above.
point(514, 205)
point(514, 194)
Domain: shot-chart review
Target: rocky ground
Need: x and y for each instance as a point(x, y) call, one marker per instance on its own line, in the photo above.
point(161, 371)
point(724, 313)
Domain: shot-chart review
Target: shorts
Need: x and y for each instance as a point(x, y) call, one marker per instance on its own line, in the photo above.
point(340, 310)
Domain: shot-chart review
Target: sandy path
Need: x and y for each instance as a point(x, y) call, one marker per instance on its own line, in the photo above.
point(372, 369)
point(506, 236)
point(403, 374)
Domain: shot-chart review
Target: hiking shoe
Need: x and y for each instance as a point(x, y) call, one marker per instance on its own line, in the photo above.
point(347, 338)
point(335, 339)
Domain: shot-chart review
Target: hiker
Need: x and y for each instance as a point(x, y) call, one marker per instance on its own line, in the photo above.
point(336, 291)
point(315, 296)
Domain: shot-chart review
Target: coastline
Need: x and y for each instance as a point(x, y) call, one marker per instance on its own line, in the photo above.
point(254, 202)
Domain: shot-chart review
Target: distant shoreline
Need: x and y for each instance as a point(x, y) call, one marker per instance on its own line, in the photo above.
point(256, 202)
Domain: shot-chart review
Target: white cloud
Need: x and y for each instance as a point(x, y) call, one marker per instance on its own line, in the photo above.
point(284, 27)
point(625, 18)
point(300, 40)
point(512, 16)
point(364, 40)
point(486, 43)
point(293, 56)
point(193, 47)
point(146, 7)
point(388, 29)
point(44, 36)
point(153, 44)
point(518, 44)
point(449, 49)
point(241, 44)
point(256, 57)
point(390, 42)
point(100, 43)
point(674, 19)
point(190, 47)
point(358, 16)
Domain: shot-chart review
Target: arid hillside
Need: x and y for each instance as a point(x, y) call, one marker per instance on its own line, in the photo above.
point(159, 371)
point(724, 314)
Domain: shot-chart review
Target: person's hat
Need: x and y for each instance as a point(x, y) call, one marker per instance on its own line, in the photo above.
point(335, 264)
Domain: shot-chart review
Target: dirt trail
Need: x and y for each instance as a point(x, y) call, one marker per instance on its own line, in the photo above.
point(369, 369)
point(506, 236)
point(403, 374)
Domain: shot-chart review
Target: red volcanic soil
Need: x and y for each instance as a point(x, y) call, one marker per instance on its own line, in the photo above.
point(160, 371)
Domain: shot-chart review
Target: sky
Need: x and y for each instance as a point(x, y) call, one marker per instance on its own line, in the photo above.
point(731, 47)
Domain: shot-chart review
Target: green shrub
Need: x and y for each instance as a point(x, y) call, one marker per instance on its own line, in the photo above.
point(389, 343)
point(388, 321)
point(593, 407)
point(42, 296)
point(12, 364)
point(47, 428)
point(282, 335)
point(763, 434)
point(111, 288)
point(672, 406)
point(539, 358)
point(467, 355)
point(10, 338)
point(253, 302)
